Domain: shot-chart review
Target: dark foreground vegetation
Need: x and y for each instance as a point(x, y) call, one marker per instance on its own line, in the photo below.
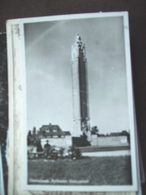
point(94, 170)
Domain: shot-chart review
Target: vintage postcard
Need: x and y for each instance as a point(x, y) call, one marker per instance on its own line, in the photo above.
point(71, 104)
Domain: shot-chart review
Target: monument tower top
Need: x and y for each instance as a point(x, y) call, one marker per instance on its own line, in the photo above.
point(78, 48)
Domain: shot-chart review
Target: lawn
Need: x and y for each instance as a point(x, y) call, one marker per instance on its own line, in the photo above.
point(95, 170)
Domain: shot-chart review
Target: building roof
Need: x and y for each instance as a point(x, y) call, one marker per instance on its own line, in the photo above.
point(66, 132)
point(53, 130)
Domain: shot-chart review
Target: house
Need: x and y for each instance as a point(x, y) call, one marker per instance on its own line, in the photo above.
point(55, 136)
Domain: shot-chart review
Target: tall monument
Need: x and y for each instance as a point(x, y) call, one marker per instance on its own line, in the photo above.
point(80, 88)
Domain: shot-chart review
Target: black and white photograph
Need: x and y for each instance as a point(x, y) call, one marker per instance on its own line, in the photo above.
point(79, 106)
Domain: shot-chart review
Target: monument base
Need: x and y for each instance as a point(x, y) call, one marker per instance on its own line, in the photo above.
point(80, 141)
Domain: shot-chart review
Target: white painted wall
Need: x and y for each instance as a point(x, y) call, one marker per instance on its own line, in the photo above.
point(109, 141)
point(58, 142)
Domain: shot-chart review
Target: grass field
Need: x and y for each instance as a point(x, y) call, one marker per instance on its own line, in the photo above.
point(95, 170)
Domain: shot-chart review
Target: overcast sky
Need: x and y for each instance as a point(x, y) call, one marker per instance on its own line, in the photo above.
point(49, 79)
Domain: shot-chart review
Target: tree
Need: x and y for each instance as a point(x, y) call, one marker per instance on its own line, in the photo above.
point(29, 138)
point(94, 130)
point(29, 133)
point(34, 130)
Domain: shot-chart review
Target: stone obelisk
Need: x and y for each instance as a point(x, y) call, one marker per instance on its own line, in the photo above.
point(80, 88)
